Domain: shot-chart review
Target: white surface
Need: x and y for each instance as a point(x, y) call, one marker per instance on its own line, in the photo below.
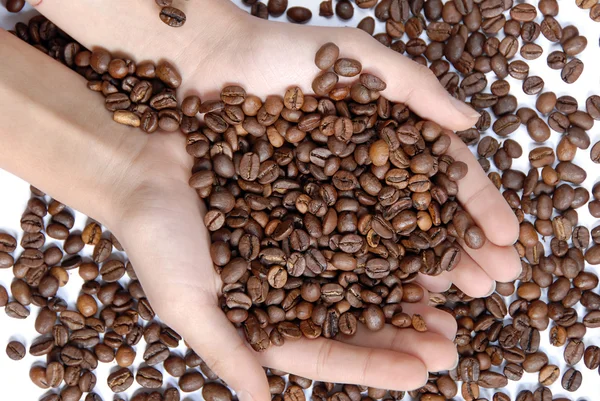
point(14, 382)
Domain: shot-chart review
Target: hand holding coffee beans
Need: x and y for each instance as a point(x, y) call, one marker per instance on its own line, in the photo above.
point(320, 214)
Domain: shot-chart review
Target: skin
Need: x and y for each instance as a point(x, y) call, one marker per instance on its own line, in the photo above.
point(137, 184)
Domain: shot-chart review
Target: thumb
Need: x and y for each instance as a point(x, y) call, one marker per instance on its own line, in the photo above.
point(213, 337)
point(410, 83)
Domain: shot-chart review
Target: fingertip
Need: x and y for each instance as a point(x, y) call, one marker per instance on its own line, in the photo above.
point(456, 361)
point(492, 290)
point(419, 375)
point(437, 321)
point(436, 284)
point(469, 115)
point(426, 378)
point(502, 228)
point(514, 268)
point(254, 390)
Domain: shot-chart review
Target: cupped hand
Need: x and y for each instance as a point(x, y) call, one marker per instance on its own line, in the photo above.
point(160, 219)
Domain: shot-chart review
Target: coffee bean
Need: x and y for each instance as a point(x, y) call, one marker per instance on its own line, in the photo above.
point(327, 55)
point(149, 377)
point(191, 382)
point(55, 373)
point(571, 71)
point(592, 319)
point(120, 380)
point(344, 9)
point(16, 311)
point(15, 6)
point(506, 125)
point(99, 60)
point(168, 74)
point(172, 16)
point(574, 352)
point(126, 118)
point(595, 152)
point(574, 45)
point(15, 350)
point(551, 29)
point(218, 392)
point(488, 379)
point(277, 7)
point(156, 353)
point(299, 15)
point(592, 357)
point(7, 243)
point(112, 270)
point(548, 375)
point(571, 380)
point(533, 85)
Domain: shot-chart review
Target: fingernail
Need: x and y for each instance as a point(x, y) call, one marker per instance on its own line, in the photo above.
point(245, 396)
point(492, 290)
point(463, 108)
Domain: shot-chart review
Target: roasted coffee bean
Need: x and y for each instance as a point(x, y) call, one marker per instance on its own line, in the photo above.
point(344, 9)
point(574, 352)
point(99, 60)
point(191, 382)
point(15, 350)
point(571, 380)
point(327, 55)
point(172, 16)
point(299, 15)
point(149, 377)
point(506, 125)
point(533, 85)
point(120, 380)
point(16, 311)
point(14, 6)
point(592, 357)
point(156, 353)
point(595, 152)
point(572, 71)
point(7, 243)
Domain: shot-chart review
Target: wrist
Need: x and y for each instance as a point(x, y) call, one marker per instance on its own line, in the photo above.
point(56, 135)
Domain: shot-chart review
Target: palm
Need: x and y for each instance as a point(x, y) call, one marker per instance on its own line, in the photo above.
point(162, 224)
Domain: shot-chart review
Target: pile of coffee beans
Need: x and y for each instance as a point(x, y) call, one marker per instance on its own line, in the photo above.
point(316, 224)
point(322, 210)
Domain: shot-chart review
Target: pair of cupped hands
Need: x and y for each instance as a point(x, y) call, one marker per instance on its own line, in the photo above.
point(147, 203)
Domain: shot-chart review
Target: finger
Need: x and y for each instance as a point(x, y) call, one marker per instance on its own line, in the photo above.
point(470, 278)
point(410, 83)
point(437, 321)
point(482, 199)
point(214, 338)
point(436, 351)
point(439, 283)
point(501, 263)
point(337, 362)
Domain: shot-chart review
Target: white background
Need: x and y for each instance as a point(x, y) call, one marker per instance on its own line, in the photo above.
point(14, 193)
